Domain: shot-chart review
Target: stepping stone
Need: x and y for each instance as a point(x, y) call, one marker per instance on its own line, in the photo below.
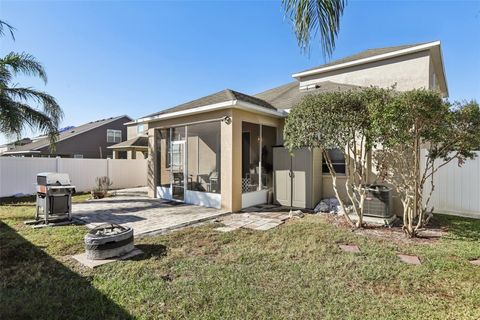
point(409, 259)
point(475, 262)
point(268, 226)
point(255, 224)
point(284, 217)
point(349, 248)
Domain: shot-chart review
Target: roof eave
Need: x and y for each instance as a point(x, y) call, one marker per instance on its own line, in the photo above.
point(21, 152)
point(238, 104)
point(127, 147)
point(46, 144)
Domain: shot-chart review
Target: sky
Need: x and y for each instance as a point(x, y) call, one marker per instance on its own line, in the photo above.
point(109, 58)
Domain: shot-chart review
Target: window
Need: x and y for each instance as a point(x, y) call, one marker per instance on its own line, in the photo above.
point(140, 128)
point(78, 156)
point(114, 136)
point(338, 161)
point(176, 156)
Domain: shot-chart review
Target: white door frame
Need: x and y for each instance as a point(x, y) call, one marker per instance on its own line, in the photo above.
point(184, 168)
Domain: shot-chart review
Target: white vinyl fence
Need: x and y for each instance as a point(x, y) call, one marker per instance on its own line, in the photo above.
point(457, 189)
point(18, 175)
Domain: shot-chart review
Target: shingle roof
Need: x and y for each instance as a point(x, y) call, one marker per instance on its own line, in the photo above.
point(221, 96)
point(365, 54)
point(42, 143)
point(139, 142)
point(287, 95)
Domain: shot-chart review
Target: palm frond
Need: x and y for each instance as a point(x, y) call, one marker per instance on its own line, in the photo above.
point(312, 16)
point(23, 63)
point(10, 117)
point(5, 26)
point(14, 116)
point(49, 104)
point(15, 110)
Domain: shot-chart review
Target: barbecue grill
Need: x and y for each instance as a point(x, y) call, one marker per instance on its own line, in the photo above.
point(54, 196)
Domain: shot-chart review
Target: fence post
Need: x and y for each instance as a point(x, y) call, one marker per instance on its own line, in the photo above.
point(58, 164)
point(108, 169)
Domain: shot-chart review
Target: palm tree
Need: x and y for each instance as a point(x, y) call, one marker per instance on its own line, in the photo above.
point(16, 110)
point(311, 16)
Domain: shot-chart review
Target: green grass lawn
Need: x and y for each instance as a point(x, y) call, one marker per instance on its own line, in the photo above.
point(294, 271)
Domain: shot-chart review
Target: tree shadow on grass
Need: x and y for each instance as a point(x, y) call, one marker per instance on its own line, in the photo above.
point(36, 286)
point(151, 250)
point(460, 228)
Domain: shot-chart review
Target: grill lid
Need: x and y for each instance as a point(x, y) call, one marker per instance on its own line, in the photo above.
point(53, 178)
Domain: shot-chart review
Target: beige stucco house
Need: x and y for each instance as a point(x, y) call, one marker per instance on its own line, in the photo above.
point(225, 150)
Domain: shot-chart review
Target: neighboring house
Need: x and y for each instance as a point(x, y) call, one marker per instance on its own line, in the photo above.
point(136, 145)
point(90, 140)
point(225, 149)
point(12, 145)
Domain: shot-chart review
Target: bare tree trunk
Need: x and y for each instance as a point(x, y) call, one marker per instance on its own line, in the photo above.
point(334, 183)
point(414, 212)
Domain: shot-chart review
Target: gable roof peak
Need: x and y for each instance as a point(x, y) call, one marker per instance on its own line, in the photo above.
point(368, 54)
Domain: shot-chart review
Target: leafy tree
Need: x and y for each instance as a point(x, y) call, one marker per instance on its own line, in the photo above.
point(16, 110)
point(312, 16)
point(336, 120)
point(415, 120)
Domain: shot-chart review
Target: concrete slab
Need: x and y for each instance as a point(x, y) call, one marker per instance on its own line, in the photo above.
point(409, 259)
point(145, 215)
point(349, 248)
point(82, 258)
point(253, 220)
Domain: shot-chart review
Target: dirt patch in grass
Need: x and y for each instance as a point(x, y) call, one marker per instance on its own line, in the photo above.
point(436, 229)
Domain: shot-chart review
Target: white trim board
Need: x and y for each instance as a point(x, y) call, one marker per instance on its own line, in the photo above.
point(204, 199)
point(234, 104)
point(253, 198)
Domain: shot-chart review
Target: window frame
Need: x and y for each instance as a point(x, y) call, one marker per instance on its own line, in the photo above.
point(326, 171)
point(115, 134)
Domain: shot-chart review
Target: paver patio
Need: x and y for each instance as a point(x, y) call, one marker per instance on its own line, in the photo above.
point(133, 208)
point(254, 220)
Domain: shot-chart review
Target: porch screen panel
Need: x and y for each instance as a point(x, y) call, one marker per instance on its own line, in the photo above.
point(163, 155)
point(203, 157)
point(269, 137)
point(250, 157)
